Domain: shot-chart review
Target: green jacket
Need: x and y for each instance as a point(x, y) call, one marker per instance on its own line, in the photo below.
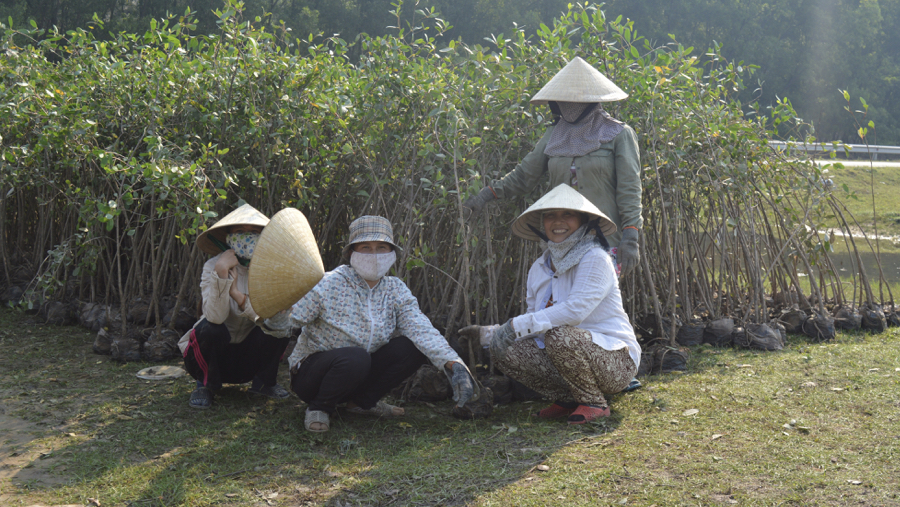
point(609, 177)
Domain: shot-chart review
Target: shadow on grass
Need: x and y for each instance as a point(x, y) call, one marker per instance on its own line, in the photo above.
point(127, 441)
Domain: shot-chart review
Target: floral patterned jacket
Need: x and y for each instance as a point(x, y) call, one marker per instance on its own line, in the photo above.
point(342, 311)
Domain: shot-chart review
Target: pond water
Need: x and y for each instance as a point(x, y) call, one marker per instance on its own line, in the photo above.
point(890, 261)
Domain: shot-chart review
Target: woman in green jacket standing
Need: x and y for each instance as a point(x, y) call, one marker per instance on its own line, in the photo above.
point(585, 148)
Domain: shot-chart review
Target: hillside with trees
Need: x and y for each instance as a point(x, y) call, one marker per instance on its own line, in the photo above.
point(115, 153)
point(805, 50)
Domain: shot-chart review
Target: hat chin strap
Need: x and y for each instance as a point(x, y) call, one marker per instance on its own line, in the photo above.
point(600, 237)
point(593, 225)
point(538, 233)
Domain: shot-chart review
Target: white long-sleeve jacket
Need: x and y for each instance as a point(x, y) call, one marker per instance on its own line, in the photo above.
point(586, 296)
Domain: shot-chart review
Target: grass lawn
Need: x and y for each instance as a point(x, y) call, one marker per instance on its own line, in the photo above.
point(858, 195)
point(814, 424)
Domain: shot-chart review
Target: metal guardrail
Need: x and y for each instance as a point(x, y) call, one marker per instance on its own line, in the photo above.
point(856, 149)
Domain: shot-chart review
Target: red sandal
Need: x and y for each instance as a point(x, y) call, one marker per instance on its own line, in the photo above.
point(587, 413)
point(558, 409)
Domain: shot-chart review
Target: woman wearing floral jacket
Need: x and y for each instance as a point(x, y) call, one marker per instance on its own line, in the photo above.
point(363, 334)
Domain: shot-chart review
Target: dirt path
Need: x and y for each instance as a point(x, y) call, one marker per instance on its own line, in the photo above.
point(22, 460)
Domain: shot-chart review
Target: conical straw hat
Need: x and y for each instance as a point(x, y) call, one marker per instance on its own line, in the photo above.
point(286, 263)
point(561, 197)
point(579, 82)
point(245, 215)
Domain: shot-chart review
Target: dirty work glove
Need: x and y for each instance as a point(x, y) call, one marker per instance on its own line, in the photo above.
point(481, 333)
point(502, 339)
point(473, 205)
point(462, 384)
point(629, 255)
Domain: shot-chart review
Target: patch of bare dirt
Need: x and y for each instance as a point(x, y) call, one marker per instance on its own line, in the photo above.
point(22, 460)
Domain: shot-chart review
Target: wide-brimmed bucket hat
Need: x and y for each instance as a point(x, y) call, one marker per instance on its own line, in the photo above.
point(561, 197)
point(369, 228)
point(579, 82)
point(286, 263)
point(245, 215)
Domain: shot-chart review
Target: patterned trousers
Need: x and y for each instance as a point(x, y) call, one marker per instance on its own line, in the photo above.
point(571, 367)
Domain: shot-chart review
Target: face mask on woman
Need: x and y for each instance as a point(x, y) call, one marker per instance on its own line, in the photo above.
point(372, 266)
point(243, 243)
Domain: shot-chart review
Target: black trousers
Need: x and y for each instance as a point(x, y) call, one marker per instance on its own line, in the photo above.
point(325, 379)
point(213, 360)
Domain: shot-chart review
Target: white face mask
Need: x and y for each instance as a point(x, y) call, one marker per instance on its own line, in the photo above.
point(372, 266)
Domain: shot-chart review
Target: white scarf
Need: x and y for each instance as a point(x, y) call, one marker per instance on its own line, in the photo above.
point(568, 253)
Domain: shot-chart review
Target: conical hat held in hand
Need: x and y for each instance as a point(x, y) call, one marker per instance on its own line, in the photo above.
point(286, 263)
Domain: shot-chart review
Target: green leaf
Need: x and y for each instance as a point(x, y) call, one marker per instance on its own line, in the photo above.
point(414, 263)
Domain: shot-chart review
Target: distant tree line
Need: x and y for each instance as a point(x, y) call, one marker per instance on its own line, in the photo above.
point(806, 50)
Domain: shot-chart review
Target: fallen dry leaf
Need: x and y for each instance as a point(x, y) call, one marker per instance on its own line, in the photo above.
point(716, 436)
point(543, 468)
